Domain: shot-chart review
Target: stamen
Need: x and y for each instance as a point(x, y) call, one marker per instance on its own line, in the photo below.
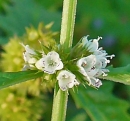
point(104, 74)
point(107, 61)
point(65, 76)
point(99, 38)
point(101, 48)
point(93, 68)
point(110, 56)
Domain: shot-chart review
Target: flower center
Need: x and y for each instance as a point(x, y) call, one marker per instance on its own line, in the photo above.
point(51, 62)
point(65, 76)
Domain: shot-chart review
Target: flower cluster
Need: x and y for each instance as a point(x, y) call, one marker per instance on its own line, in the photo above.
point(94, 65)
point(91, 63)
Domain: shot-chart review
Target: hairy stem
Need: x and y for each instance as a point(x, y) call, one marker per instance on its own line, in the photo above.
point(59, 105)
point(67, 25)
point(66, 40)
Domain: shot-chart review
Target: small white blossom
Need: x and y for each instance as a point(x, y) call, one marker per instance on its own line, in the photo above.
point(95, 64)
point(102, 61)
point(50, 63)
point(28, 55)
point(91, 45)
point(29, 58)
point(96, 82)
point(87, 68)
point(29, 50)
point(66, 80)
point(92, 67)
point(87, 65)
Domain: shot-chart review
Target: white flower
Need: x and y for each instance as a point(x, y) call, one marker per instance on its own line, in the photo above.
point(102, 61)
point(95, 64)
point(28, 55)
point(29, 50)
point(50, 63)
point(92, 67)
point(91, 45)
point(101, 64)
point(66, 80)
point(87, 65)
point(29, 58)
point(87, 68)
point(96, 82)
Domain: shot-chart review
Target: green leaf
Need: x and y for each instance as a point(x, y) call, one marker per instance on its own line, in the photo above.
point(101, 105)
point(24, 13)
point(11, 78)
point(120, 74)
point(74, 113)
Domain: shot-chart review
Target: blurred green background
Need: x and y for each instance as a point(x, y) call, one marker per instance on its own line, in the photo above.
point(29, 21)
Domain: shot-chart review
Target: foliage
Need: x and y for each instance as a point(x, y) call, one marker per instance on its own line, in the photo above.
point(16, 105)
point(14, 58)
point(16, 18)
point(106, 18)
point(11, 78)
point(57, 5)
point(3, 5)
point(102, 104)
point(110, 19)
point(120, 74)
point(31, 91)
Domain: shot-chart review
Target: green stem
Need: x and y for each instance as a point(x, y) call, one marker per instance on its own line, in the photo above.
point(66, 37)
point(59, 105)
point(67, 25)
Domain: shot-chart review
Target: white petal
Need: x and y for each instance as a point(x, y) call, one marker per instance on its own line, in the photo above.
point(76, 82)
point(49, 69)
point(32, 60)
point(70, 84)
point(99, 73)
point(93, 46)
point(40, 64)
point(26, 56)
point(96, 82)
point(53, 54)
point(52, 62)
point(66, 80)
point(88, 79)
point(29, 50)
point(60, 66)
point(25, 67)
point(92, 71)
point(87, 62)
point(82, 71)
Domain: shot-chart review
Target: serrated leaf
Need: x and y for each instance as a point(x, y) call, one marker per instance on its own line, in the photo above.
point(11, 78)
point(102, 105)
point(120, 74)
